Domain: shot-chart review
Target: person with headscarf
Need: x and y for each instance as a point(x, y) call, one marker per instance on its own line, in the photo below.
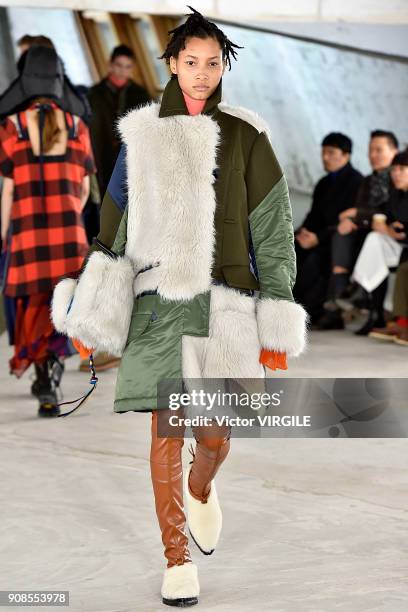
point(46, 160)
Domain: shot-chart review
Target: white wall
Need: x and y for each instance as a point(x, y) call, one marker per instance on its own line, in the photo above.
point(382, 38)
point(60, 26)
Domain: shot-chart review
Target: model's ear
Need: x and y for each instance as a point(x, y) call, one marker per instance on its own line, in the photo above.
point(173, 65)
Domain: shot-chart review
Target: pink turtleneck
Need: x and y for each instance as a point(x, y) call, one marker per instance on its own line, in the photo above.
point(194, 106)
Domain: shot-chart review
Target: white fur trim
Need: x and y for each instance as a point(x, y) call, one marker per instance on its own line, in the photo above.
point(233, 346)
point(146, 281)
point(247, 115)
point(180, 581)
point(171, 199)
point(282, 326)
point(204, 520)
point(231, 350)
point(61, 298)
point(103, 303)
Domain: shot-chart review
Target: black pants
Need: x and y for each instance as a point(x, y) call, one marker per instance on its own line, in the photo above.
point(313, 274)
point(345, 248)
point(401, 291)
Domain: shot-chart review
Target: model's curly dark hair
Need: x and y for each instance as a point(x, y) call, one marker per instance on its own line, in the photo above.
point(197, 25)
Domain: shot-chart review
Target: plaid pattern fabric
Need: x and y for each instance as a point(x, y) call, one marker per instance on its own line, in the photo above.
point(47, 239)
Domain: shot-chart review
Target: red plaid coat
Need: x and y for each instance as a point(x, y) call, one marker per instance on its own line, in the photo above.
point(47, 239)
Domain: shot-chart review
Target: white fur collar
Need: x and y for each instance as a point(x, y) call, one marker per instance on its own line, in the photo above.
point(171, 199)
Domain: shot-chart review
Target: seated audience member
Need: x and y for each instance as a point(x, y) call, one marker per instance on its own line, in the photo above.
point(397, 330)
point(385, 246)
point(313, 240)
point(355, 223)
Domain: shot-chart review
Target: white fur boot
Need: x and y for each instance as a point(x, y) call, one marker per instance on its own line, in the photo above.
point(180, 586)
point(204, 519)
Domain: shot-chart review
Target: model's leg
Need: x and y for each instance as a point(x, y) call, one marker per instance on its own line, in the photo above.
point(213, 445)
point(204, 512)
point(180, 584)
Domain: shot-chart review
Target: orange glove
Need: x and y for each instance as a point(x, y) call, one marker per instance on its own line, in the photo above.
point(83, 351)
point(273, 360)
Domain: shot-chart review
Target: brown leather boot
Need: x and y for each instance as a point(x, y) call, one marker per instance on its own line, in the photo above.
point(213, 444)
point(167, 479)
point(204, 512)
point(180, 585)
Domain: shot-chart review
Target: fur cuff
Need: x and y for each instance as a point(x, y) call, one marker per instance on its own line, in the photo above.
point(282, 326)
point(61, 299)
point(100, 313)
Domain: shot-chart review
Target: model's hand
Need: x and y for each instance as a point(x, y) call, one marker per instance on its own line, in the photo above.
point(349, 212)
point(346, 227)
point(273, 360)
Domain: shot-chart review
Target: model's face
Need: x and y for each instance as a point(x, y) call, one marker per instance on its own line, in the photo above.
point(121, 67)
point(380, 153)
point(334, 158)
point(199, 67)
point(399, 175)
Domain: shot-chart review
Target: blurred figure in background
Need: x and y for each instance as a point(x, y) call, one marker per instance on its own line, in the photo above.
point(46, 160)
point(397, 330)
point(91, 210)
point(355, 223)
point(112, 97)
point(386, 243)
point(313, 240)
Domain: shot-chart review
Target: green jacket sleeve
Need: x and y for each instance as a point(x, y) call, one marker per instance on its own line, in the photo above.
point(281, 321)
point(270, 221)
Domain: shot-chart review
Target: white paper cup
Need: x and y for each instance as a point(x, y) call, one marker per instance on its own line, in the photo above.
point(380, 218)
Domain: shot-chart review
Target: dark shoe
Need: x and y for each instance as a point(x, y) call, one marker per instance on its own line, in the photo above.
point(330, 320)
point(369, 326)
point(48, 376)
point(36, 388)
point(48, 410)
point(41, 383)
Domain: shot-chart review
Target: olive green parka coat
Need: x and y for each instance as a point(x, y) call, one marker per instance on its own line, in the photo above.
point(202, 260)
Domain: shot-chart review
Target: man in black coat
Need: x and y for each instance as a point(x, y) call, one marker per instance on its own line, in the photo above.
point(116, 94)
point(334, 193)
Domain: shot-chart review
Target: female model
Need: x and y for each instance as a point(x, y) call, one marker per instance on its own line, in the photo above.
point(206, 222)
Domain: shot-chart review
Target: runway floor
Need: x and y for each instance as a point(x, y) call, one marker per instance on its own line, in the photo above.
point(310, 525)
